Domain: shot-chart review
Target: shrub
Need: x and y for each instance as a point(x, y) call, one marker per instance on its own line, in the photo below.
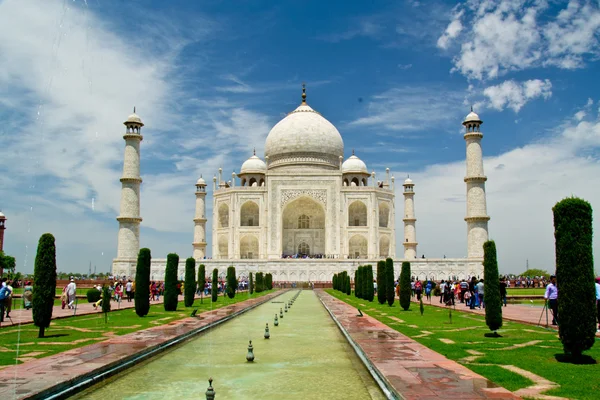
point(189, 286)
point(251, 284)
point(215, 285)
point(269, 281)
point(358, 282)
point(370, 290)
point(389, 281)
point(491, 285)
point(171, 292)
point(232, 282)
point(355, 281)
point(201, 280)
point(105, 302)
point(381, 294)
point(142, 283)
point(405, 286)
point(93, 295)
point(260, 284)
point(348, 285)
point(334, 282)
point(364, 290)
point(575, 274)
point(45, 283)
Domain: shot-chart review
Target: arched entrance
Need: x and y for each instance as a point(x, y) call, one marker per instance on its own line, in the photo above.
point(303, 225)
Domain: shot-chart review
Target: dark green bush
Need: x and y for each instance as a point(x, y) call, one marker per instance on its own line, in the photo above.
point(190, 282)
point(251, 284)
point(355, 282)
point(369, 290)
point(389, 281)
point(171, 291)
point(268, 281)
point(491, 285)
point(358, 284)
point(381, 273)
point(142, 283)
point(45, 283)
point(232, 282)
point(201, 280)
point(93, 295)
point(575, 275)
point(405, 286)
point(260, 282)
point(215, 285)
point(348, 285)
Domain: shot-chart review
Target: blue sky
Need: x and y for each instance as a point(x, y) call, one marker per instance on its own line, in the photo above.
point(211, 78)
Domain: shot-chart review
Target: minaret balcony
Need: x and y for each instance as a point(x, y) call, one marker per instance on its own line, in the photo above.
point(409, 219)
point(199, 244)
point(129, 219)
point(478, 218)
point(473, 135)
point(200, 219)
point(133, 136)
point(409, 244)
point(480, 178)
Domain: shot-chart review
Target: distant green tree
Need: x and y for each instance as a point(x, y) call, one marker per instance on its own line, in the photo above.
point(201, 280)
point(232, 282)
point(491, 285)
point(142, 282)
point(45, 283)
point(171, 292)
point(215, 285)
point(251, 284)
point(531, 272)
point(389, 281)
point(405, 286)
point(105, 302)
point(575, 275)
point(381, 274)
point(190, 282)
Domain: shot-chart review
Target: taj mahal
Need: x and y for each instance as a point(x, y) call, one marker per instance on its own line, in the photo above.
point(303, 213)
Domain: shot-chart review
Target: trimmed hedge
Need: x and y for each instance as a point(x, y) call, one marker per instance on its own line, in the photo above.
point(269, 281)
point(232, 282)
point(389, 281)
point(575, 275)
point(93, 295)
point(370, 290)
point(44, 273)
point(405, 286)
point(171, 292)
point(491, 285)
point(215, 285)
point(381, 296)
point(142, 283)
point(190, 282)
point(201, 280)
point(251, 284)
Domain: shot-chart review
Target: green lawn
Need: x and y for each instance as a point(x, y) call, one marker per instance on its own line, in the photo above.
point(80, 292)
point(68, 333)
point(540, 346)
point(525, 292)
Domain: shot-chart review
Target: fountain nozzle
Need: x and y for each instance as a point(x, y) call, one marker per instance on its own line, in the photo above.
point(250, 355)
point(276, 322)
point(267, 334)
point(210, 392)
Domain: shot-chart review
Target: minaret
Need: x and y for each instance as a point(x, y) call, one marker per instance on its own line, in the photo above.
point(2, 228)
point(410, 232)
point(129, 219)
point(200, 221)
point(477, 218)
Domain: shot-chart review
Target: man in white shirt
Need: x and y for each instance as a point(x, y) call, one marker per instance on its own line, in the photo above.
point(71, 293)
point(598, 300)
point(551, 296)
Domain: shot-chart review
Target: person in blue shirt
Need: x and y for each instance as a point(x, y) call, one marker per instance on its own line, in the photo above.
point(598, 300)
point(551, 297)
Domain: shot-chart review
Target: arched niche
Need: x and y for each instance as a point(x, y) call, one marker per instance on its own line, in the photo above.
point(358, 246)
point(357, 214)
point(303, 220)
point(223, 247)
point(249, 214)
point(384, 214)
point(223, 216)
point(249, 247)
point(384, 246)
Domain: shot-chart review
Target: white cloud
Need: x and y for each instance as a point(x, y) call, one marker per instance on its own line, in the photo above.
point(514, 35)
point(514, 95)
point(523, 185)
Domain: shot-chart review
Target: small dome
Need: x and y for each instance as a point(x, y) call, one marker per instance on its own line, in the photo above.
point(472, 117)
point(253, 165)
point(2, 215)
point(408, 181)
point(201, 182)
point(354, 165)
point(135, 119)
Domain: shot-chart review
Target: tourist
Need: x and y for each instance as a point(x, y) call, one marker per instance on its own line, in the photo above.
point(442, 290)
point(551, 297)
point(503, 290)
point(464, 287)
point(428, 290)
point(472, 293)
point(118, 292)
point(412, 288)
point(71, 293)
point(129, 290)
point(5, 299)
point(598, 301)
point(27, 295)
point(418, 289)
point(480, 292)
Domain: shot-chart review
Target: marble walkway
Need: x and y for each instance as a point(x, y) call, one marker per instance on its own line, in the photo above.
point(413, 370)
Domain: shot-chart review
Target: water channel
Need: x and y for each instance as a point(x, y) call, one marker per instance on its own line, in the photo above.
point(306, 357)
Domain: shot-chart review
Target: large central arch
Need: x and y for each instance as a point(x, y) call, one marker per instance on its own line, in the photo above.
point(303, 222)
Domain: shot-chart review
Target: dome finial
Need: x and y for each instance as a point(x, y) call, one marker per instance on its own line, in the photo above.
point(303, 93)
point(352, 151)
point(471, 107)
point(134, 109)
point(255, 151)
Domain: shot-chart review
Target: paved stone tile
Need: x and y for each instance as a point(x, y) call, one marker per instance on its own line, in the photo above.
point(25, 380)
point(415, 371)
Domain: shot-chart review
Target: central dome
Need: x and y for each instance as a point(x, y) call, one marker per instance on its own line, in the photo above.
point(304, 137)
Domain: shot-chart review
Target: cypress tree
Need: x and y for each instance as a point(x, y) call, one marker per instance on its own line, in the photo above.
point(355, 281)
point(232, 282)
point(260, 284)
point(389, 281)
point(270, 281)
point(333, 282)
point(405, 286)
point(365, 282)
point(201, 280)
point(381, 273)
point(575, 275)
point(251, 284)
point(105, 302)
point(215, 285)
point(491, 285)
point(370, 288)
point(190, 282)
point(142, 283)
point(358, 282)
point(45, 283)
point(348, 285)
point(170, 296)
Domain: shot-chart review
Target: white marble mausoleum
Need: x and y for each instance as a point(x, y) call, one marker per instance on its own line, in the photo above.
point(303, 213)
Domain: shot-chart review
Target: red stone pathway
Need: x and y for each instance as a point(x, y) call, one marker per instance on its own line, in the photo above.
point(412, 369)
point(34, 377)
